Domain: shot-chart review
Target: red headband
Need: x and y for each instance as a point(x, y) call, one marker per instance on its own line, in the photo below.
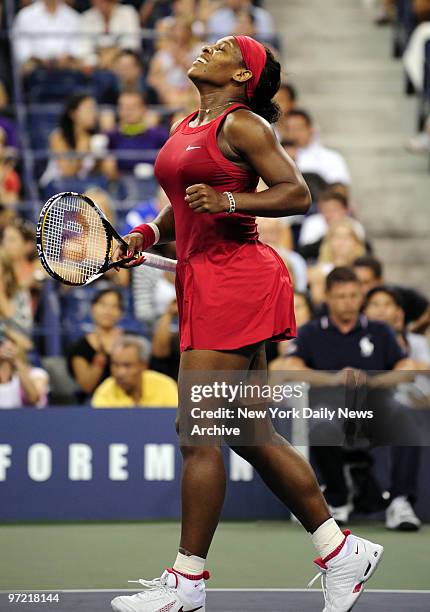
point(254, 56)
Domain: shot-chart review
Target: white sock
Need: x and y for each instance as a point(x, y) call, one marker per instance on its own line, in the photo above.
point(327, 538)
point(189, 564)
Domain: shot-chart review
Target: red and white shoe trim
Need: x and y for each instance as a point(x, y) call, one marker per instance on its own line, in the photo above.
point(322, 563)
point(203, 576)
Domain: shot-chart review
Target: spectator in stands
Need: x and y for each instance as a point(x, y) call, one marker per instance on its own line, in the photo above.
point(131, 382)
point(109, 26)
point(183, 9)
point(154, 11)
point(10, 183)
point(16, 317)
point(89, 357)
point(46, 35)
point(165, 342)
point(303, 312)
point(416, 306)
point(8, 135)
point(222, 22)
point(286, 99)
point(20, 384)
point(341, 246)
point(331, 345)
point(129, 70)
point(245, 23)
point(414, 55)
point(135, 134)
point(277, 235)
point(70, 144)
point(169, 66)
point(332, 206)
point(384, 304)
point(18, 241)
point(312, 156)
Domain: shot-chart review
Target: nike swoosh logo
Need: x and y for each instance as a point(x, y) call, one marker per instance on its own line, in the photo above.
point(193, 610)
point(189, 149)
point(356, 551)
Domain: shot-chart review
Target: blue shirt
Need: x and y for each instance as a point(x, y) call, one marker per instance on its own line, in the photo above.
point(370, 345)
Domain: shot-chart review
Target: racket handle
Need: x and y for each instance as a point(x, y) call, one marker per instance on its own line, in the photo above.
point(157, 261)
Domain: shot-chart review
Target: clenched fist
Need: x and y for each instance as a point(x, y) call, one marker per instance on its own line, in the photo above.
point(203, 199)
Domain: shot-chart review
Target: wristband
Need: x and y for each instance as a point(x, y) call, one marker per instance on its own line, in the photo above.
point(150, 233)
point(231, 201)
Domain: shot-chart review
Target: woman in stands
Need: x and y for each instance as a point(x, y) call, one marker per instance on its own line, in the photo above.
point(234, 293)
point(89, 357)
point(70, 143)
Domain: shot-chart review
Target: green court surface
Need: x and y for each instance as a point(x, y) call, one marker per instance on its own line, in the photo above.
point(244, 555)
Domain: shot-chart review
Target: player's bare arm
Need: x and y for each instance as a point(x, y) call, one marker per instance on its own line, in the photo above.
point(249, 141)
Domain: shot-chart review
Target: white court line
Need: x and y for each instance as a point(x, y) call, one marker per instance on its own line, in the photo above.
point(232, 590)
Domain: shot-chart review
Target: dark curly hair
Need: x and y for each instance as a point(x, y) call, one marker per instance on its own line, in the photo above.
point(270, 81)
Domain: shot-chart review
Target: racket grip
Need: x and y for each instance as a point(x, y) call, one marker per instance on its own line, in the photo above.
point(157, 261)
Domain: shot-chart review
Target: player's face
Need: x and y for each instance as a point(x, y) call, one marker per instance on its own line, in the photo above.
point(344, 301)
point(382, 307)
point(127, 368)
point(217, 63)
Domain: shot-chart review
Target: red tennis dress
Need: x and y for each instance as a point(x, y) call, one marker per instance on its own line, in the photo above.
point(232, 290)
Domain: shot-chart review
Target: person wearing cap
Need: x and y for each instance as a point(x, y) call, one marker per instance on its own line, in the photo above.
point(234, 293)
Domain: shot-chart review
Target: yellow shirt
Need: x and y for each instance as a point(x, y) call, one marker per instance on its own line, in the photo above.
point(158, 390)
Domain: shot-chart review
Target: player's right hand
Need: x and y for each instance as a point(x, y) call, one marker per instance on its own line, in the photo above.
point(135, 244)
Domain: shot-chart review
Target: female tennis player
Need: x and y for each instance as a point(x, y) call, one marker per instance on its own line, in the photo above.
point(234, 293)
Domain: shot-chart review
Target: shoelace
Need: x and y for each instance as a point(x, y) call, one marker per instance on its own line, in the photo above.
point(321, 574)
point(152, 585)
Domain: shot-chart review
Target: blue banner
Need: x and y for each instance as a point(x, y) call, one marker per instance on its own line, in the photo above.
point(84, 464)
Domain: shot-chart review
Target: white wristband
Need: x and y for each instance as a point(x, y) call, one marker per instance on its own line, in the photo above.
point(156, 231)
point(231, 201)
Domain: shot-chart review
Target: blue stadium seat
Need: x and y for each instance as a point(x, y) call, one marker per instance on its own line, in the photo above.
point(103, 81)
point(41, 121)
point(74, 184)
point(53, 85)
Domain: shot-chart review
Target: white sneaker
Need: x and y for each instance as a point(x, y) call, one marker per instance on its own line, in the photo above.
point(344, 572)
point(401, 516)
point(341, 513)
point(173, 592)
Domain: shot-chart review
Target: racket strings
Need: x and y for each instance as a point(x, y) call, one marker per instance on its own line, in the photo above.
point(74, 239)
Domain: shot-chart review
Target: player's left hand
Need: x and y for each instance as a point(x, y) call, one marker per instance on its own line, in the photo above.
point(203, 199)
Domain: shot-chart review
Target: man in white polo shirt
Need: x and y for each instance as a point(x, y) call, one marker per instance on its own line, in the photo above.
point(45, 33)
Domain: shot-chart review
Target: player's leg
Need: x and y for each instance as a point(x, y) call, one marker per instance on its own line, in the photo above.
point(346, 561)
point(285, 471)
point(182, 587)
point(203, 474)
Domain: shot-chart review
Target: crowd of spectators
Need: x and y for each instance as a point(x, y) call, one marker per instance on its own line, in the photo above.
point(410, 20)
point(106, 80)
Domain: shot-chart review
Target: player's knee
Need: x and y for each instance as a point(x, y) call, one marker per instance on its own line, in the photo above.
point(200, 452)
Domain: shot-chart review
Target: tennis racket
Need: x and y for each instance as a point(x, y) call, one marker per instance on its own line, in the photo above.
point(75, 241)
